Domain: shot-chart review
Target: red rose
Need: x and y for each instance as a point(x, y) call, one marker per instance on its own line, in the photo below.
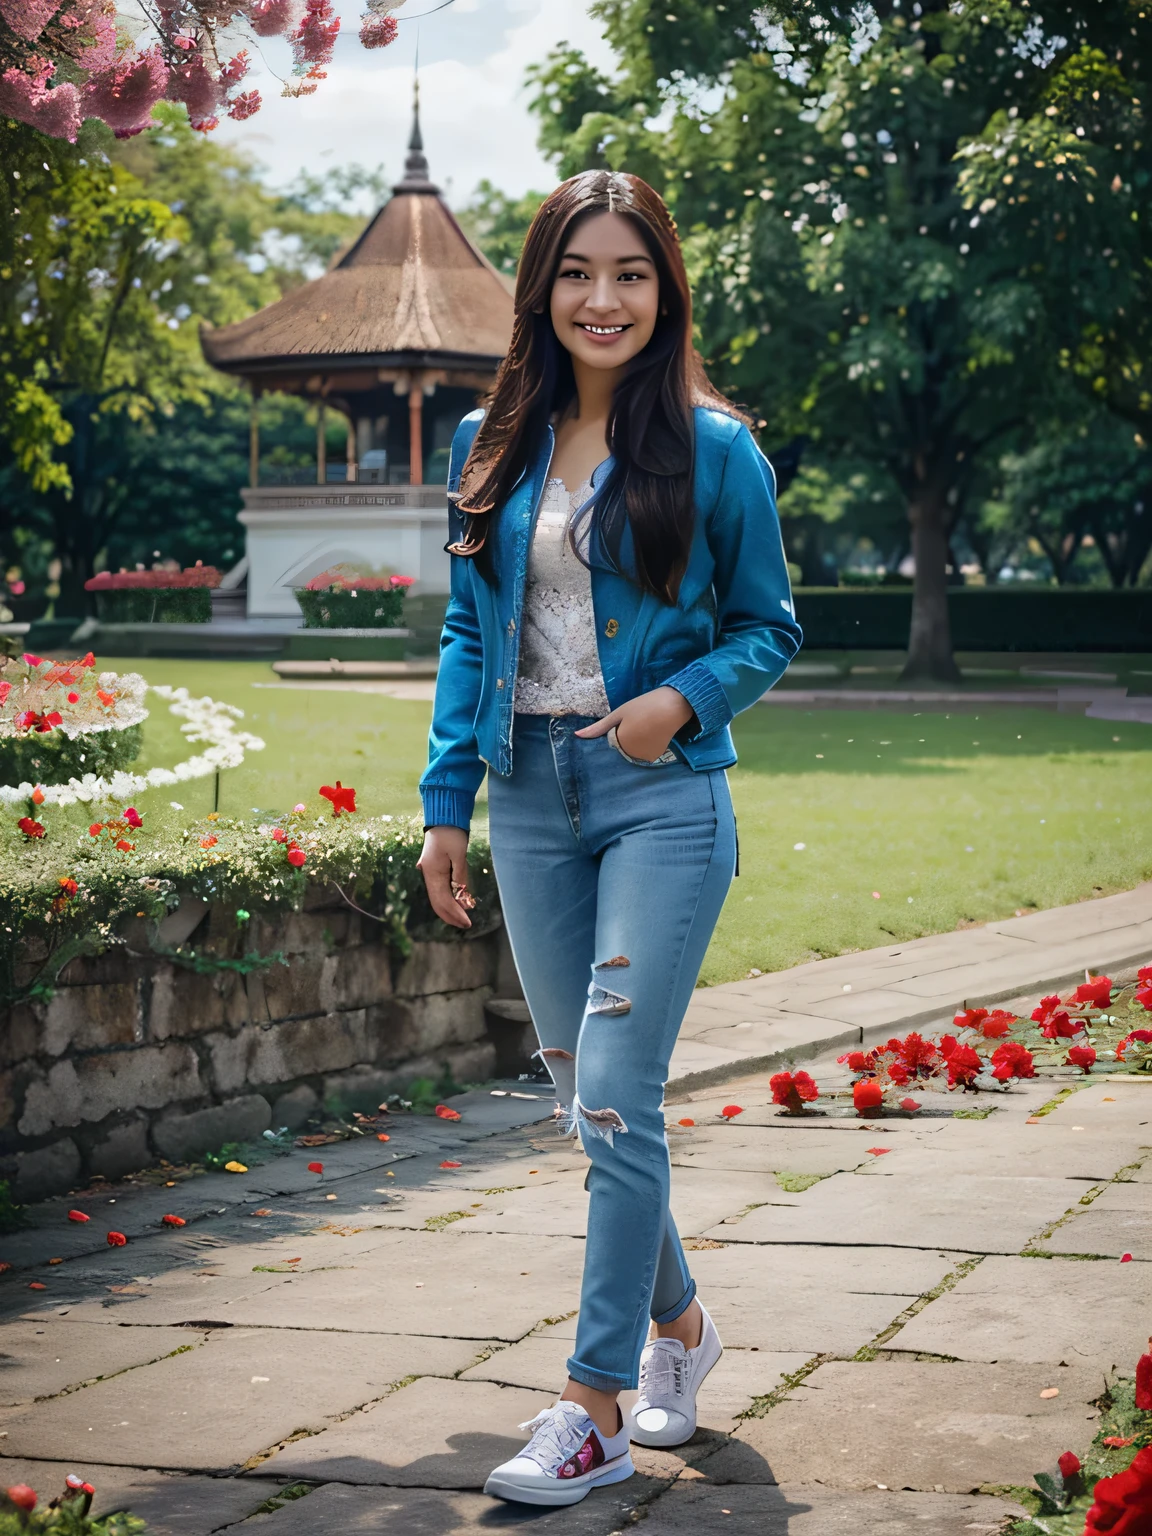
point(963, 1065)
point(1122, 1505)
point(899, 1074)
point(856, 1061)
point(342, 799)
point(1096, 992)
point(279, 836)
point(1069, 1465)
point(1058, 1026)
point(1082, 1056)
point(296, 856)
point(792, 1090)
point(998, 1023)
point(31, 829)
point(1012, 1060)
point(21, 1495)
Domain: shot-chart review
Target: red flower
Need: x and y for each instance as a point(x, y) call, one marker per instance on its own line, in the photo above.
point(279, 836)
point(5, 690)
point(1058, 1026)
point(401, 581)
point(1046, 1006)
point(26, 719)
point(116, 1240)
point(31, 829)
point(855, 1060)
point(920, 1056)
point(899, 1074)
point(315, 1167)
point(342, 799)
point(107, 699)
point(793, 1090)
point(730, 1111)
point(21, 1495)
point(124, 846)
point(37, 796)
point(1144, 1381)
point(948, 1044)
point(1069, 1465)
point(1096, 992)
point(296, 856)
point(1140, 1036)
point(451, 1165)
point(998, 1023)
point(910, 1105)
point(209, 842)
point(963, 1065)
point(173, 1221)
point(1144, 992)
point(1118, 1442)
point(73, 698)
point(78, 1216)
point(88, 661)
point(32, 661)
point(1082, 1056)
point(132, 817)
point(970, 1018)
point(68, 888)
point(95, 829)
point(444, 1113)
point(866, 1095)
point(1012, 1060)
point(1122, 1505)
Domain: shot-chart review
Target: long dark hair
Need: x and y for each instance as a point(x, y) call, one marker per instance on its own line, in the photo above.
point(650, 429)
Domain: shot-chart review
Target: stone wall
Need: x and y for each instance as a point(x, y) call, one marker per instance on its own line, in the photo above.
point(136, 1057)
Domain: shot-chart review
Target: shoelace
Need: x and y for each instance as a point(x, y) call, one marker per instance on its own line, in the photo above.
point(555, 1438)
point(663, 1373)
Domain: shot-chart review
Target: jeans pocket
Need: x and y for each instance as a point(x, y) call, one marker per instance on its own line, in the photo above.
point(640, 762)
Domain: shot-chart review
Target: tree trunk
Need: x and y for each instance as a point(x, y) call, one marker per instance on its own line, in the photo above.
point(930, 638)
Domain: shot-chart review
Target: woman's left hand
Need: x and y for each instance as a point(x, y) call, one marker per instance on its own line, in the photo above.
point(646, 724)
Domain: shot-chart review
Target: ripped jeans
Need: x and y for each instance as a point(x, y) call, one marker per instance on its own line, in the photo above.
point(612, 876)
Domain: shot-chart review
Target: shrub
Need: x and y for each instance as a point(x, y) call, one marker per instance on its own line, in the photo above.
point(155, 597)
point(62, 720)
point(339, 599)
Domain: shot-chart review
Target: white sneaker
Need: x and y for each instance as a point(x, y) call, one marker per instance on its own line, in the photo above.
point(670, 1377)
point(565, 1459)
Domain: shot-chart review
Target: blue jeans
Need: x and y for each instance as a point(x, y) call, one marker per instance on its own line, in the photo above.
point(615, 870)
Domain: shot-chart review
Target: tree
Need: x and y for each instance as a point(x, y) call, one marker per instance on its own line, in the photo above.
point(815, 158)
point(498, 223)
point(99, 330)
point(62, 61)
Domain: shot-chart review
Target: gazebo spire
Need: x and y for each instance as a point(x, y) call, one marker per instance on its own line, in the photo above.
point(416, 177)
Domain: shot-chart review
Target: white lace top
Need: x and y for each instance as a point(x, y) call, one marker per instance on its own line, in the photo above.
point(559, 671)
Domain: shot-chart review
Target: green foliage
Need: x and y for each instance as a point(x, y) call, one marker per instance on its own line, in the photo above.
point(54, 758)
point(65, 1516)
point(155, 605)
point(498, 223)
point(338, 607)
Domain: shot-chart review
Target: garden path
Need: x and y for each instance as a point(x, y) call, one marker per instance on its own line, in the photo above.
point(318, 1355)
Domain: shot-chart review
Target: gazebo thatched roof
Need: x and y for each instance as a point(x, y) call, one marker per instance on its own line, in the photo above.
point(413, 292)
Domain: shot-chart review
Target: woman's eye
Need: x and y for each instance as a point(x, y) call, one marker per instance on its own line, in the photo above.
point(573, 272)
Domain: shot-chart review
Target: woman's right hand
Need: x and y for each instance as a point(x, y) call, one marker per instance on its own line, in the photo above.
point(444, 864)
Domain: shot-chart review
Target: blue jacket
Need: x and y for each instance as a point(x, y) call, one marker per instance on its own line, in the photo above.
point(728, 639)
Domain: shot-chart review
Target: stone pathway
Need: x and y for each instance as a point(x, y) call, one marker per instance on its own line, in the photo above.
point(318, 1355)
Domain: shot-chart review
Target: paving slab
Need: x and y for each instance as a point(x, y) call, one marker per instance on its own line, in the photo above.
point(918, 1425)
point(339, 1510)
point(1104, 1232)
point(770, 1151)
point(739, 1376)
point(1037, 1311)
point(228, 1399)
point(485, 1285)
point(172, 1503)
point(42, 1357)
point(1008, 1151)
point(691, 1507)
point(1103, 1104)
point(438, 1434)
point(979, 1214)
point(175, 1299)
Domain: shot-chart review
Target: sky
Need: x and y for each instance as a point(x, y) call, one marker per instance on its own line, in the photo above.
point(473, 107)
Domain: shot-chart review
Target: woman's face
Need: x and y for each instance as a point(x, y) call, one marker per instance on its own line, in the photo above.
point(606, 295)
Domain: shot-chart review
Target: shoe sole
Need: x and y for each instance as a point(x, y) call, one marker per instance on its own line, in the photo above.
point(657, 1442)
point(559, 1493)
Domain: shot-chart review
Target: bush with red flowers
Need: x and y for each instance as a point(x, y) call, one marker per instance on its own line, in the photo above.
point(343, 598)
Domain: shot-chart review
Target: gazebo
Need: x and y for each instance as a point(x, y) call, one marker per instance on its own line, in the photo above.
point(400, 336)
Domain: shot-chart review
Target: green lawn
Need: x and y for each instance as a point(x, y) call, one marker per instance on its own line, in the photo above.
point(951, 818)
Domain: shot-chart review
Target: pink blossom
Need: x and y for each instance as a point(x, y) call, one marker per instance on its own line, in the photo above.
point(98, 52)
point(125, 94)
point(247, 104)
point(28, 18)
point(194, 85)
point(235, 69)
point(378, 31)
point(272, 18)
point(26, 97)
point(315, 37)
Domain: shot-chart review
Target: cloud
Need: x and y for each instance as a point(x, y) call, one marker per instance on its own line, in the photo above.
point(473, 107)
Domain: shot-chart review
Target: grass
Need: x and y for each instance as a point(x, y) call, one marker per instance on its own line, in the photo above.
point(952, 818)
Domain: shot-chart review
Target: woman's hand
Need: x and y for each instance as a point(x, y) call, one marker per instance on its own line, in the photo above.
point(646, 724)
point(444, 864)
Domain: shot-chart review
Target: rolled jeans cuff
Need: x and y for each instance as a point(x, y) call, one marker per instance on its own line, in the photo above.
point(597, 1380)
point(681, 1306)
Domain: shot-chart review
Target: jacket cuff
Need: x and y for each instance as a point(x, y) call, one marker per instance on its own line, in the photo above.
point(446, 807)
point(709, 702)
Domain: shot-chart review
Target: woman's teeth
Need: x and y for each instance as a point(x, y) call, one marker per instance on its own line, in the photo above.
point(603, 330)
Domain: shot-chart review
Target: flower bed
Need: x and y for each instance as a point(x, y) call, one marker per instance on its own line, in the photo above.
point(155, 597)
point(342, 599)
point(63, 720)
